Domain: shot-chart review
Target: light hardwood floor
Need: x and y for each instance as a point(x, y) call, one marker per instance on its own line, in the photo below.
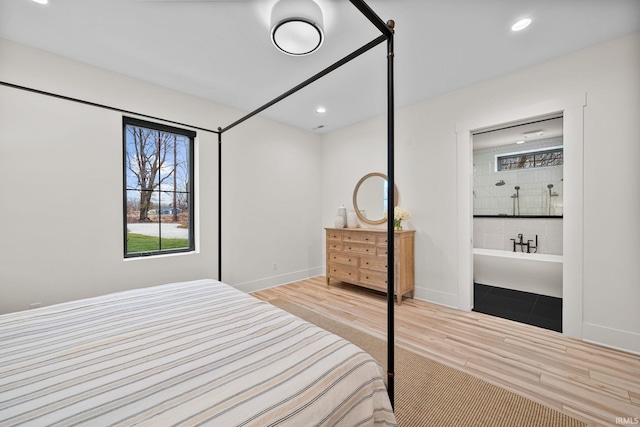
point(592, 383)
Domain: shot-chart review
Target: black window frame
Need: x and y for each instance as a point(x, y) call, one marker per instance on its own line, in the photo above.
point(191, 135)
point(532, 163)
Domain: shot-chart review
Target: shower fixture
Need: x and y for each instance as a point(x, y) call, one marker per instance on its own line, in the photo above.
point(500, 183)
point(516, 201)
point(551, 194)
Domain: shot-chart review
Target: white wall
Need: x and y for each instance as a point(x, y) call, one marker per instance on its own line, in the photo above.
point(426, 162)
point(271, 183)
point(497, 233)
point(61, 187)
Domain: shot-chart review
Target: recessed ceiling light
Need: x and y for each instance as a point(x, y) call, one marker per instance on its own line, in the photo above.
point(519, 142)
point(321, 110)
point(41, 1)
point(521, 24)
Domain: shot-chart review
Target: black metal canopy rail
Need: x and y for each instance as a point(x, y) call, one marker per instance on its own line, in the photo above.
point(387, 30)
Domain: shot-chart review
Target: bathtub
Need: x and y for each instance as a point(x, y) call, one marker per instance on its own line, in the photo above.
point(536, 273)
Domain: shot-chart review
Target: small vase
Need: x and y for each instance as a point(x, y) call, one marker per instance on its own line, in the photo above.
point(397, 224)
point(339, 221)
point(342, 211)
point(352, 219)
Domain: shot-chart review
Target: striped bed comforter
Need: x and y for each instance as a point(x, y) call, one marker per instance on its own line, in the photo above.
point(190, 353)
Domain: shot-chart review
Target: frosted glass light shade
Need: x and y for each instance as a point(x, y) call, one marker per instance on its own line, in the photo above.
point(296, 26)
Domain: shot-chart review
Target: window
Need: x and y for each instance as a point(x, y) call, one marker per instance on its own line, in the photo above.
point(158, 188)
point(531, 159)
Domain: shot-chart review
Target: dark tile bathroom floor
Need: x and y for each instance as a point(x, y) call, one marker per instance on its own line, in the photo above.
point(533, 309)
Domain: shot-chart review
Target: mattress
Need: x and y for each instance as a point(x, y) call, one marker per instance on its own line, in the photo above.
point(189, 353)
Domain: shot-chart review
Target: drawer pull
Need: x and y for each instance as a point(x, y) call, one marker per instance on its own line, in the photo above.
point(366, 238)
point(367, 250)
point(367, 277)
point(349, 259)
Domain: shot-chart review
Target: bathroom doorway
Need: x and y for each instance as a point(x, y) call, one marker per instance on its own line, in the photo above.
point(571, 108)
point(517, 221)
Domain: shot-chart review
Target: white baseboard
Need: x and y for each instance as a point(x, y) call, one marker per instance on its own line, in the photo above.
point(436, 297)
point(609, 337)
point(282, 279)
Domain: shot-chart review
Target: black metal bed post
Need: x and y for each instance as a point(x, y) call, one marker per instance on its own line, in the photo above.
point(220, 204)
point(388, 31)
point(390, 216)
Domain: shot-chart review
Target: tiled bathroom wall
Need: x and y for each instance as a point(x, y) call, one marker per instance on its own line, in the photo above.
point(495, 233)
point(534, 196)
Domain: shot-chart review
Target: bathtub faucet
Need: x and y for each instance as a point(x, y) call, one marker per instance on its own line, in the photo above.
point(517, 243)
point(520, 242)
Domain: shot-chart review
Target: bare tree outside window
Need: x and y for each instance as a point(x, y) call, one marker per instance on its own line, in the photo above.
point(158, 187)
point(534, 159)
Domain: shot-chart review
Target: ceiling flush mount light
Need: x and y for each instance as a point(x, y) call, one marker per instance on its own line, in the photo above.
point(296, 26)
point(41, 1)
point(521, 24)
point(321, 110)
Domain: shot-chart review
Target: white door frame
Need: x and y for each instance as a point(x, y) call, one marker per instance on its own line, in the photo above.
point(572, 109)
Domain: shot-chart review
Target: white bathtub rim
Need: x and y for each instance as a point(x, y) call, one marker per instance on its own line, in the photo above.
point(519, 255)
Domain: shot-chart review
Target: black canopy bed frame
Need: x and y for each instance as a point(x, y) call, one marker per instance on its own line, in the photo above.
point(387, 34)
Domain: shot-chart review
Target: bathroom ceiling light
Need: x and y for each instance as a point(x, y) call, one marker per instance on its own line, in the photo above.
point(321, 110)
point(521, 24)
point(519, 142)
point(296, 27)
point(41, 1)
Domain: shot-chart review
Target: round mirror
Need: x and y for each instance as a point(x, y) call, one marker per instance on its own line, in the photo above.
point(370, 198)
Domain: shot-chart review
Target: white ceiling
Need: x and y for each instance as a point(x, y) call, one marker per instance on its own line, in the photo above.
point(221, 51)
point(549, 127)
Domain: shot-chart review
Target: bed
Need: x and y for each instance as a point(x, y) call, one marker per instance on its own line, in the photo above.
point(188, 353)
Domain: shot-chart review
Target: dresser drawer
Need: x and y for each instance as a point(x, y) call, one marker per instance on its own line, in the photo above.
point(359, 237)
point(381, 240)
point(374, 263)
point(374, 279)
point(343, 272)
point(334, 245)
point(360, 248)
point(334, 235)
point(343, 258)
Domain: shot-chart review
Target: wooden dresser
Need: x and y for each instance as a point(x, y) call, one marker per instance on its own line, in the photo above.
point(359, 256)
